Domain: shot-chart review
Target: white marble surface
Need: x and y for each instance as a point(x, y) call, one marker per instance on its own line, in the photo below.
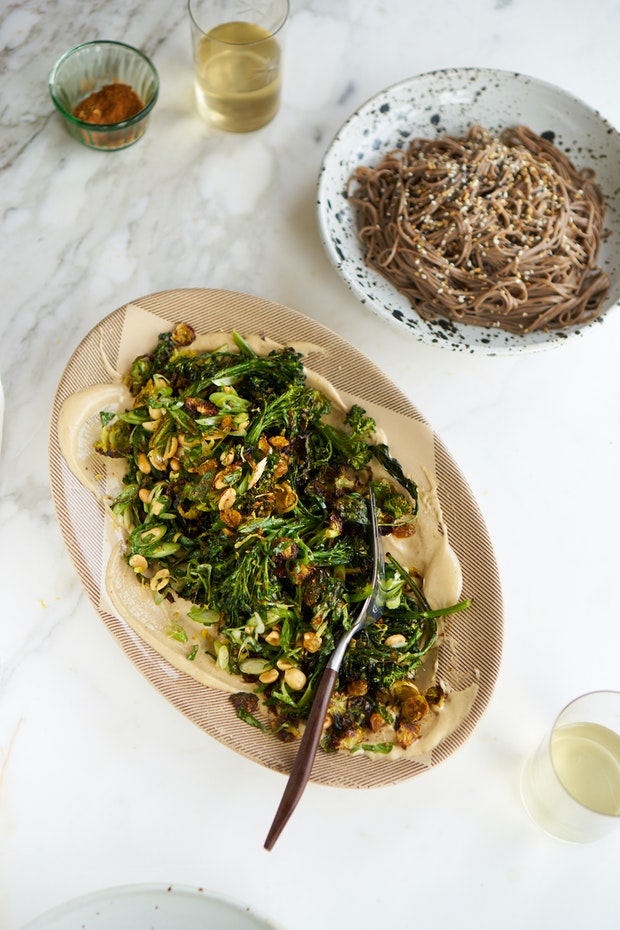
point(101, 781)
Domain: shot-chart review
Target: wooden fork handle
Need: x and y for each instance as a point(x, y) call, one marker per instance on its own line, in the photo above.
point(304, 760)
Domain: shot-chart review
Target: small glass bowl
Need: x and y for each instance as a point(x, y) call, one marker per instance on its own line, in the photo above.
point(87, 68)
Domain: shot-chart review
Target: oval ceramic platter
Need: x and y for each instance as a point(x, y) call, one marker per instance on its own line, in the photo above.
point(471, 650)
point(449, 102)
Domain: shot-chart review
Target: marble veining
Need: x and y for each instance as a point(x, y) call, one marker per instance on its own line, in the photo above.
point(101, 781)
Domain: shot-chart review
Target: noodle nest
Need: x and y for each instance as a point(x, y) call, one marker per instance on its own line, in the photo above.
point(492, 231)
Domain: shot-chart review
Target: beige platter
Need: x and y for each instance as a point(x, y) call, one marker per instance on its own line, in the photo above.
point(472, 650)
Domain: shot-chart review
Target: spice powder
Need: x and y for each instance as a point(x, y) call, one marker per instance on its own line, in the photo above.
point(114, 103)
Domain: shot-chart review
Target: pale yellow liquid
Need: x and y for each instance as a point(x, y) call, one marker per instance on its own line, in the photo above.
point(586, 758)
point(237, 69)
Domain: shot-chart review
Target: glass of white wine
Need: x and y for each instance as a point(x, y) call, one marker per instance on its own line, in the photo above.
point(237, 53)
point(571, 785)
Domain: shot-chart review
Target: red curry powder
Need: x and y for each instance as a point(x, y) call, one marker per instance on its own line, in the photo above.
point(112, 104)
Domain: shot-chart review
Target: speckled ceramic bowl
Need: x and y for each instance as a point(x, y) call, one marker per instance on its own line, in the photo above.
point(451, 101)
point(87, 68)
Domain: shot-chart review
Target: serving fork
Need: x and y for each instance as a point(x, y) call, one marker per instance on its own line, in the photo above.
point(371, 611)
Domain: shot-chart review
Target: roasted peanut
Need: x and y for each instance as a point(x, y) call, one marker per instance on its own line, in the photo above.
point(295, 678)
point(312, 642)
point(227, 499)
point(138, 563)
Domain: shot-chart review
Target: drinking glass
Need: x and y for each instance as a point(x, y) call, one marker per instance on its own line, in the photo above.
point(571, 785)
point(237, 53)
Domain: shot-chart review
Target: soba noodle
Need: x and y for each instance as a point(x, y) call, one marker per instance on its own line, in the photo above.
point(491, 231)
